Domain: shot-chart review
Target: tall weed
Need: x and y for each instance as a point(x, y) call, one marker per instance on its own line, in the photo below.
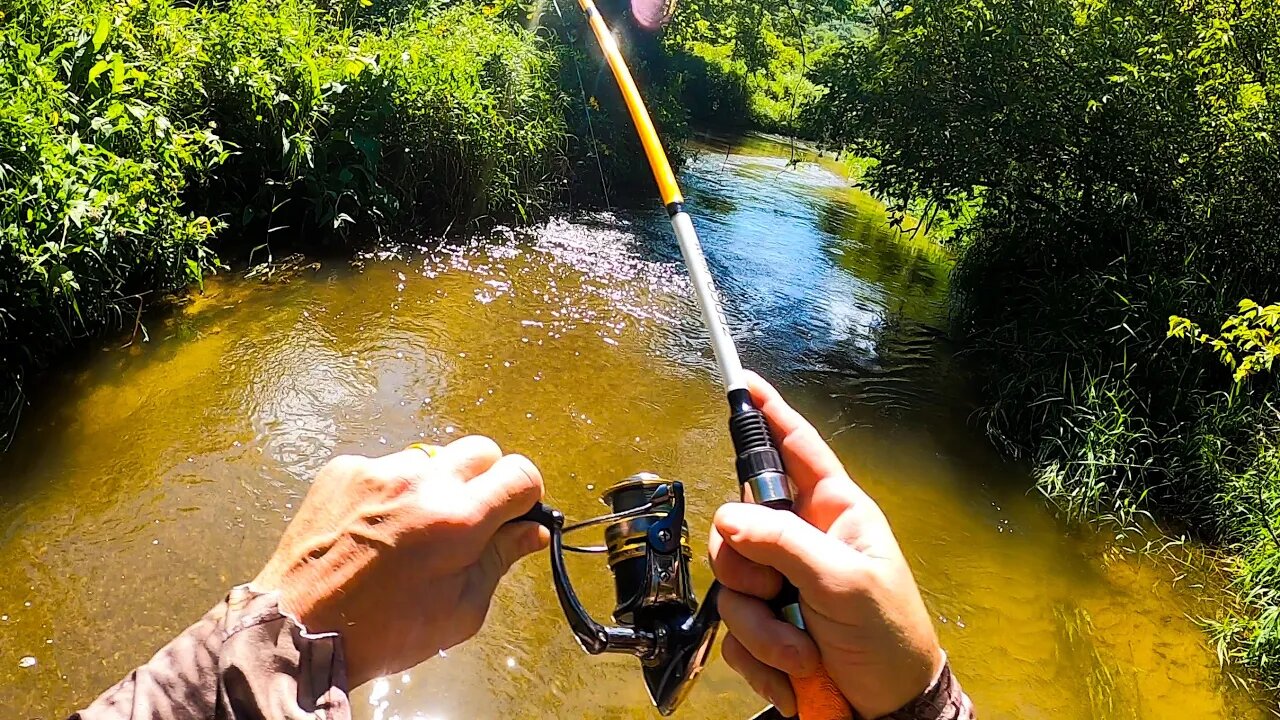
point(136, 134)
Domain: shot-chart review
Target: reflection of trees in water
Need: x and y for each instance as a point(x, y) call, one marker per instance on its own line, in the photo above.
point(826, 289)
point(1111, 692)
point(864, 245)
point(900, 366)
point(712, 201)
point(900, 361)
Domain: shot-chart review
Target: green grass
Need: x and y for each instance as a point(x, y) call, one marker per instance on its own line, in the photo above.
point(138, 135)
point(1122, 154)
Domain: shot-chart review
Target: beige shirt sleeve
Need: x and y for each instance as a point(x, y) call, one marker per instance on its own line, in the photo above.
point(243, 660)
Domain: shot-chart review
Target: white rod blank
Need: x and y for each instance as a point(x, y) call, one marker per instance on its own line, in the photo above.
point(704, 288)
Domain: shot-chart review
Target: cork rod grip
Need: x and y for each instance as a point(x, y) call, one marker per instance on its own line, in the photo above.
point(817, 698)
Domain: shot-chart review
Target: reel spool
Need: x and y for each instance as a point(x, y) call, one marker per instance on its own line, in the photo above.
point(659, 619)
point(642, 584)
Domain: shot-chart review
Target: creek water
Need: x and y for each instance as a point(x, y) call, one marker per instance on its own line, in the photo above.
point(150, 478)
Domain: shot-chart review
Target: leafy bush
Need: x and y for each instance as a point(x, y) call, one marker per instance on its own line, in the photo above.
point(93, 164)
point(1238, 450)
point(714, 88)
point(1124, 153)
point(132, 132)
point(745, 65)
point(608, 162)
point(444, 115)
point(1250, 339)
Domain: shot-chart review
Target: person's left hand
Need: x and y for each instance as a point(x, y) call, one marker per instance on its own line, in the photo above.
point(401, 554)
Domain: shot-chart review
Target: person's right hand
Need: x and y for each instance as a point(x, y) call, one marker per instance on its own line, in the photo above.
point(866, 621)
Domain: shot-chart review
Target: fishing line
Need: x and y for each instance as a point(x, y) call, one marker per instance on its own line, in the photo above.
point(586, 108)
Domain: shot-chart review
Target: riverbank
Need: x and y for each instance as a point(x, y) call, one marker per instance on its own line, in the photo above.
point(1123, 155)
point(140, 137)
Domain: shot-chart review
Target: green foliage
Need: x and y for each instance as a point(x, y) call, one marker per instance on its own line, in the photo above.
point(607, 160)
point(1091, 108)
point(93, 163)
point(756, 58)
point(1246, 464)
point(1237, 451)
point(133, 132)
point(1124, 154)
point(1250, 339)
point(438, 114)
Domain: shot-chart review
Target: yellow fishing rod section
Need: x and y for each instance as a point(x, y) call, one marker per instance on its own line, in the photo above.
point(653, 150)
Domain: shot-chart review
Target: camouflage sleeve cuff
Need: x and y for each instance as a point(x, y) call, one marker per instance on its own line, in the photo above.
point(943, 700)
point(243, 659)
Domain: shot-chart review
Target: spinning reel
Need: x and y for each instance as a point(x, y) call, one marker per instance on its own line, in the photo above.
point(659, 620)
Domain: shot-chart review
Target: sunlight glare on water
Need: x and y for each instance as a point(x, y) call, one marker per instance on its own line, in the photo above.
point(151, 478)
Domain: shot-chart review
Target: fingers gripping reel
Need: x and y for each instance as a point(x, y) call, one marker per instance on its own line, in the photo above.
point(659, 620)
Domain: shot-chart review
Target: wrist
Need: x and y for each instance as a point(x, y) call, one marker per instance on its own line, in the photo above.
point(919, 693)
point(912, 678)
point(944, 699)
point(292, 598)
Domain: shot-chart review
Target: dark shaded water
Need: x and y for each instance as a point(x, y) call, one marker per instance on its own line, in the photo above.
point(155, 476)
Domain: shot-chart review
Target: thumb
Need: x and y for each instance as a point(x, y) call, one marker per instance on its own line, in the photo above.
point(784, 541)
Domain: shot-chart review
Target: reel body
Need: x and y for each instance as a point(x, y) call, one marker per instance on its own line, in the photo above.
point(659, 619)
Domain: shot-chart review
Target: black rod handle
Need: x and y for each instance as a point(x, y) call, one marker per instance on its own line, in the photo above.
point(761, 474)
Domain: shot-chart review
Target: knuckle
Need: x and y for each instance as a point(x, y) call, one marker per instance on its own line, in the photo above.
point(366, 477)
point(480, 446)
point(784, 535)
point(782, 655)
point(344, 465)
point(465, 517)
point(376, 480)
point(527, 476)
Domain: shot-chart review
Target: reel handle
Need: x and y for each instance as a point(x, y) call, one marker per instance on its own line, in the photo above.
point(763, 479)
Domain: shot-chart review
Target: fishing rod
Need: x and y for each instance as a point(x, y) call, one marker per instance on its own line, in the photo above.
point(660, 621)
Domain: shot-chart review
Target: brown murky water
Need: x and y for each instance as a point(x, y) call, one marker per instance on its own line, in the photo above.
point(153, 477)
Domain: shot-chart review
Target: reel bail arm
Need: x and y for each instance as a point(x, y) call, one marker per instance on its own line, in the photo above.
point(591, 635)
point(659, 620)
